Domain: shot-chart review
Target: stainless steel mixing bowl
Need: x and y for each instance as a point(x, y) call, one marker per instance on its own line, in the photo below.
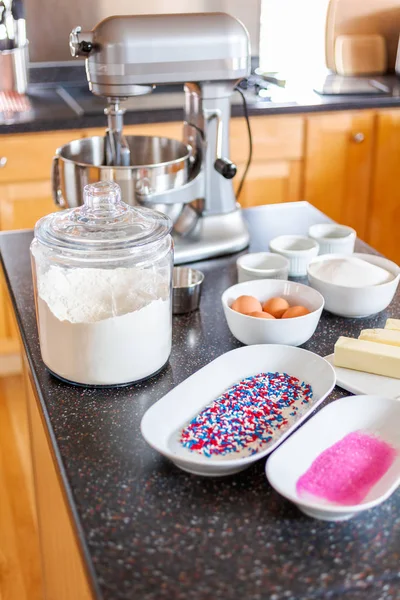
point(158, 164)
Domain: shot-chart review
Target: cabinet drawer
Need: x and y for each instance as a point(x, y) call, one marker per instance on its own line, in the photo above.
point(274, 138)
point(28, 156)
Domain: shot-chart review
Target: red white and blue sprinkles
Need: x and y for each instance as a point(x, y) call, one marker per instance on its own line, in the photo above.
point(248, 416)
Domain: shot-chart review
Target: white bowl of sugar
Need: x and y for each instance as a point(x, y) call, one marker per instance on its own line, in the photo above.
point(359, 285)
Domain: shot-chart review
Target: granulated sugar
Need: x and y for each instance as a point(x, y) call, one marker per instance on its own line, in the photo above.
point(104, 326)
point(346, 472)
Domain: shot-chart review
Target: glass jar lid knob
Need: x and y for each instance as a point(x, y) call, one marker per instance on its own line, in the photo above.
point(102, 200)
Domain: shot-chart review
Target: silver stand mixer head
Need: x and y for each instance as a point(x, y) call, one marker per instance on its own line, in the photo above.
point(208, 53)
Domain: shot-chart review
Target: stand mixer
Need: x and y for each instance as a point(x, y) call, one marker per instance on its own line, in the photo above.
point(191, 180)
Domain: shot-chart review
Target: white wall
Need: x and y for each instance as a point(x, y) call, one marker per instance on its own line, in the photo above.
point(49, 22)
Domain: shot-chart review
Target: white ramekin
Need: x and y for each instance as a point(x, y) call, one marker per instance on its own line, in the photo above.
point(333, 238)
point(262, 265)
point(298, 249)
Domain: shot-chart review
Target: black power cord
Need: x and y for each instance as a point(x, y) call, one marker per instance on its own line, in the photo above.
point(246, 115)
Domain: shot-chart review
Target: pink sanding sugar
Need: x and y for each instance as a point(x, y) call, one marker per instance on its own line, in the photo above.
point(345, 472)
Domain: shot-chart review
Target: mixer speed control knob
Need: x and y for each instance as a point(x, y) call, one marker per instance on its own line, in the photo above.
point(225, 167)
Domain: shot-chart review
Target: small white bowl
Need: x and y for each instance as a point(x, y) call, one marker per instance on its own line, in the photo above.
point(333, 239)
point(163, 421)
point(376, 415)
point(253, 330)
point(355, 302)
point(299, 249)
point(262, 265)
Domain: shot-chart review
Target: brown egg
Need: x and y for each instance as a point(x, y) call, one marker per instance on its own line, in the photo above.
point(276, 307)
point(246, 305)
point(261, 315)
point(295, 311)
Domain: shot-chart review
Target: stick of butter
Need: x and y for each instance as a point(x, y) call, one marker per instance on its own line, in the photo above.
point(393, 324)
point(370, 357)
point(382, 336)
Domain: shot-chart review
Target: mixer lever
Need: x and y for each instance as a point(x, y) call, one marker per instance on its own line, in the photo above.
point(223, 166)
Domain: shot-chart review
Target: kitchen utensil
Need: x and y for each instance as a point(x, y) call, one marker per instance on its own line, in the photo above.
point(14, 70)
point(356, 302)
point(18, 14)
point(360, 54)
point(5, 41)
point(253, 330)
point(162, 423)
point(358, 382)
point(102, 277)
point(262, 265)
point(376, 415)
point(333, 239)
point(187, 284)
point(298, 249)
point(208, 53)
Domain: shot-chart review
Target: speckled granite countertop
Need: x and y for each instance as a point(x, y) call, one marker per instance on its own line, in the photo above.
point(153, 532)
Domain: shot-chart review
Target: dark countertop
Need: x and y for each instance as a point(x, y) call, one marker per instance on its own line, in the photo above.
point(153, 532)
point(60, 99)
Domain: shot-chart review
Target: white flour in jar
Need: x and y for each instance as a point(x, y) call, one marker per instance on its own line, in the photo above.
point(104, 326)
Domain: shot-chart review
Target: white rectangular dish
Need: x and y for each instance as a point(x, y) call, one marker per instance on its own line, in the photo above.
point(358, 382)
point(163, 422)
point(375, 415)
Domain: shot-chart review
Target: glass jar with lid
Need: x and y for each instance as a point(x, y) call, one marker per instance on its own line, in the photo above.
point(103, 282)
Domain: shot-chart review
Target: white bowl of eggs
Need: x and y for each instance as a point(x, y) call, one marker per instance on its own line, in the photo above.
point(270, 311)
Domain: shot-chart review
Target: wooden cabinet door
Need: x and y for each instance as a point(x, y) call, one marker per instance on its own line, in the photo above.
point(338, 163)
point(383, 223)
point(275, 174)
point(22, 204)
point(27, 156)
point(270, 182)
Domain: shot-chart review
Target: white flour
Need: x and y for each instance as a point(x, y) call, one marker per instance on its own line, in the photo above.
point(104, 326)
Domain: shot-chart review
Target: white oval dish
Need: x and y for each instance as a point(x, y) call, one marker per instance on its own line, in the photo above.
point(253, 330)
point(358, 382)
point(162, 423)
point(333, 238)
point(376, 415)
point(356, 302)
point(262, 265)
point(298, 249)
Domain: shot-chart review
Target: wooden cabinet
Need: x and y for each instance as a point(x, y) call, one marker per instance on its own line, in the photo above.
point(383, 230)
point(27, 156)
point(22, 204)
point(275, 174)
point(40, 556)
point(338, 165)
point(271, 183)
point(64, 577)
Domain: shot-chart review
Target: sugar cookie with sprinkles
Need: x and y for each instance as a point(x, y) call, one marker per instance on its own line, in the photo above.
point(247, 417)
